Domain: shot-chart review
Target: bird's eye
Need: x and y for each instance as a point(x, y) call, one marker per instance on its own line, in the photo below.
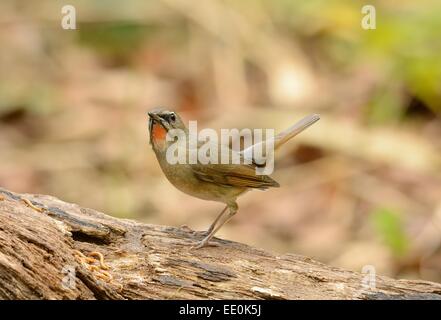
point(172, 117)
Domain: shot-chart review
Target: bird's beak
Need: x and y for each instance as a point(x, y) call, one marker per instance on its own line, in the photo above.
point(154, 116)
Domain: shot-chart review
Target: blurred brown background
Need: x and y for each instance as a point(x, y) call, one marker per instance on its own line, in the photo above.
point(361, 187)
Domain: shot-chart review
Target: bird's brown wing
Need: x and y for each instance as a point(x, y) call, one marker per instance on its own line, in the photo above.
point(235, 175)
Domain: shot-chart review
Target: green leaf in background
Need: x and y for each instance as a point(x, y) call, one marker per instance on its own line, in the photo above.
point(118, 40)
point(385, 106)
point(389, 226)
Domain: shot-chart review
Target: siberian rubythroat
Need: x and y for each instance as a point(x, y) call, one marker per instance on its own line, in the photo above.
point(214, 181)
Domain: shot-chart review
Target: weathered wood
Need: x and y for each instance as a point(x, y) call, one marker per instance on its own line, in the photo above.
point(42, 240)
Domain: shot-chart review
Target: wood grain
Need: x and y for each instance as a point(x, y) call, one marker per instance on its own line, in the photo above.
point(45, 242)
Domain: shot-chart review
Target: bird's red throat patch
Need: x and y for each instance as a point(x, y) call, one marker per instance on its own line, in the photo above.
point(158, 133)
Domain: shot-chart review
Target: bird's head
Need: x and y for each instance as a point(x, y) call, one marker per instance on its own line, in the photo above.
point(160, 122)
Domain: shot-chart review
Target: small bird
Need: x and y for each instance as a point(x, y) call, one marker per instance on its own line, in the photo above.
point(217, 182)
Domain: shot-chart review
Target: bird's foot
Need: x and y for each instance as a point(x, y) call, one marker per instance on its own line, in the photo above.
point(204, 243)
point(186, 228)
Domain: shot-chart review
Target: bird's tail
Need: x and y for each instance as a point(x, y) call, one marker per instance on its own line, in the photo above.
point(282, 137)
point(295, 129)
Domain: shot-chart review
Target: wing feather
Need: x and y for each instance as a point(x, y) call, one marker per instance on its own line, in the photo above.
point(235, 175)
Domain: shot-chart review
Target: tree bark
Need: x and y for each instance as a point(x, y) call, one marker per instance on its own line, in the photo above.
point(50, 249)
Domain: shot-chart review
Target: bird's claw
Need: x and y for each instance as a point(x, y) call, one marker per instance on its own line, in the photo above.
point(186, 228)
point(204, 243)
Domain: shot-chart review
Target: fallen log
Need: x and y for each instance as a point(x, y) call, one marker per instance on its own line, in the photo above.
point(51, 249)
